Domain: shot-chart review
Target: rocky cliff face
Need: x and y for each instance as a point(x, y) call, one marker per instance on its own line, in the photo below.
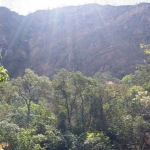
point(88, 38)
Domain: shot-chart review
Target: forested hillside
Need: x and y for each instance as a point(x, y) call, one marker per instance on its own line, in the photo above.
point(79, 78)
point(75, 112)
point(88, 38)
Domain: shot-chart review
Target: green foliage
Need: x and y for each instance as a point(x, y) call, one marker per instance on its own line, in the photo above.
point(31, 89)
point(146, 49)
point(54, 140)
point(127, 79)
point(26, 140)
point(8, 131)
point(75, 112)
point(3, 74)
point(97, 141)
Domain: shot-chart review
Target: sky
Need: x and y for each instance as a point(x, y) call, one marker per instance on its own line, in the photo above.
point(24, 7)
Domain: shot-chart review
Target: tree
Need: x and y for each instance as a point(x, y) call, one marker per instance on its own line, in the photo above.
point(101, 97)
point(8, 131)
point(141, 75)
point(3, 74)
point(26, 140)
point(31, 89)
point(71, 96)
point(62, 94)
point(146, 49)
point(97, 141)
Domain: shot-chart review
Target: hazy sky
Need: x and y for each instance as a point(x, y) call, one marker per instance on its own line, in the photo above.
point(26, 6)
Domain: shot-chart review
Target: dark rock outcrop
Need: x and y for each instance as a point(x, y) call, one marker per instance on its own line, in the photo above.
point(88, 38)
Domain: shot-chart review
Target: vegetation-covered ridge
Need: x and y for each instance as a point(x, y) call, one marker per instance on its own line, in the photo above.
point(89, 38)
point(75, 112)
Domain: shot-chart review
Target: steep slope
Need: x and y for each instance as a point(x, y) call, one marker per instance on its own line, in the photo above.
point(87, 38)
point(13, 47)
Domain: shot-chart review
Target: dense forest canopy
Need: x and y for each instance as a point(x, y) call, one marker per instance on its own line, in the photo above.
point(73, 83)
point(75, 112)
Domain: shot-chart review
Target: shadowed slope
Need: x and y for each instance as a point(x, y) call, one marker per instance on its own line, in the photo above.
point(88, 38)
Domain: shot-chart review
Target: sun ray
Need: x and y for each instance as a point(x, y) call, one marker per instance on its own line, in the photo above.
point(25, 7)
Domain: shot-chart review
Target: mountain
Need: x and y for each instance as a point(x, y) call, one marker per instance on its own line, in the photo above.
point(87, 38)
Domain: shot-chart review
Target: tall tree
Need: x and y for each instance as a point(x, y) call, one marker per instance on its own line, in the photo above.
point(31, 89)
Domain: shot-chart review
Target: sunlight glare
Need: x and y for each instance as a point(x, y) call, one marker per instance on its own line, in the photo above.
point(27, 6)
